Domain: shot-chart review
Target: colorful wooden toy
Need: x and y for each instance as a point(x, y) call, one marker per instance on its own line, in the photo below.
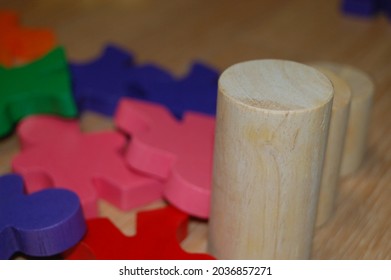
point(386, 7)
point(158, 235)
point(55, 152)
point(271, 132)
point(42, 87)
point(41, 224)
point(99, 84)
point(19, 44)
point(177, 152)
point(366, 8)
point(196, 92)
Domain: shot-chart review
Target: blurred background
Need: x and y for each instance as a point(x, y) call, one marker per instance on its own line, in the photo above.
point(220, 32)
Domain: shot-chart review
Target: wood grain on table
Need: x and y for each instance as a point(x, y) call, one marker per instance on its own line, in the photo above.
point(220, 33)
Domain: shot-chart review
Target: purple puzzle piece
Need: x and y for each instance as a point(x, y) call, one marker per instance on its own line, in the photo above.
point(364, 8)
point(197, 91)
point(386, 7)
point(100, 84)
point(96, 84)
point(44, 223)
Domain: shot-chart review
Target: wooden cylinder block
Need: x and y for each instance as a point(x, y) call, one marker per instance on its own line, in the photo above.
point(271, 132)
point(335, 146)
point(362, 88)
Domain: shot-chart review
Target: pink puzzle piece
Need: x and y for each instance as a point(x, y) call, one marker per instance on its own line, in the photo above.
point(56, 153)
point(178, 152)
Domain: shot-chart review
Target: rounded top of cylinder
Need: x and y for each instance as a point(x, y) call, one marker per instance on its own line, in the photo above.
point(342, 92)
point(276, 85)
point(361, 84)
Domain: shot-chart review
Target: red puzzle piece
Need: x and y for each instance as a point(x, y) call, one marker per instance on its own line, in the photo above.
point(56, 153)
point(158, 235)
point(20, 44)
point(179, 152)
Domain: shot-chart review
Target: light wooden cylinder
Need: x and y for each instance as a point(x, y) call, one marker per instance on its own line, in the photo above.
point(334, 148)
point(271, 131)
point(362, 88)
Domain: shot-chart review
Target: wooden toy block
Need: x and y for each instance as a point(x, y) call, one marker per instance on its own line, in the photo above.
point(41, 87)
point(19, 44)
point(45, 223)
point(99, 84)
point(362, 90)
point(271, 132)
point(177, 152)
point(158, 235)
point(335, 145)
point(55, 152)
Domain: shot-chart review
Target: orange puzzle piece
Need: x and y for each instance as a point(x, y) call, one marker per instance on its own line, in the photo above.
point(20, 44)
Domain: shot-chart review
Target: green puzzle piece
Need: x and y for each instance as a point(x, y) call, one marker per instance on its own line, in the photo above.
point(41, 87)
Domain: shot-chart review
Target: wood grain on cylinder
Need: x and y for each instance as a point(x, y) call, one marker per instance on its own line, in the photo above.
point(271, 132)
point(362, 88)
point(335, 146)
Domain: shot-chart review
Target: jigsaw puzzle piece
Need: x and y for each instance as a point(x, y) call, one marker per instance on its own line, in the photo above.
point(8, 18)
point(19, 44)
point(178, 152)
point(159, 233)
point(386, 7)
point(42, 87)
point(41, 224)
point(364, 8)
point(101, 83)
point(197, 91)
point(98, 85)
point(56, 152)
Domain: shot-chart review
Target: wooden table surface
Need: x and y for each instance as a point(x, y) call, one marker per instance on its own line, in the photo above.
point(172, 34)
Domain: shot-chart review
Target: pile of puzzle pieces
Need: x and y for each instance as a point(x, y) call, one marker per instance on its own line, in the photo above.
point(161, 149)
